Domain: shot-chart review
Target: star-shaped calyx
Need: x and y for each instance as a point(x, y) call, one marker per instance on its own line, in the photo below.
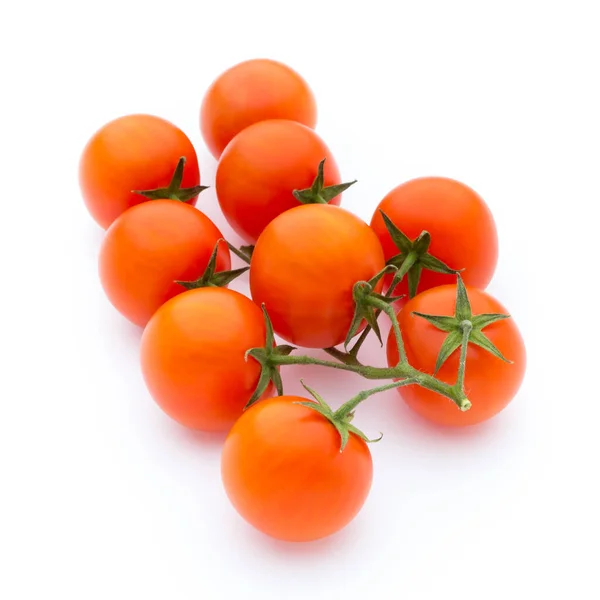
point(173, 191)
point(414, 256)
point(317, 193)
point(211, 277)
point(269, 371)
point(463, 327)
point(363, 309)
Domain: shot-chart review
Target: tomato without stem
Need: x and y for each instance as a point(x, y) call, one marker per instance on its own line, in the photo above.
point(462, 229)
point(134, 152)
point(150, 247)
point(260, 169)
point(193, 357)
point(304, 268)
point(284, 473)
point(490, 383)
point(253, 91)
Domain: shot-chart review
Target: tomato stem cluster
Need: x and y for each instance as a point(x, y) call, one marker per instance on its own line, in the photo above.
point(405, 374)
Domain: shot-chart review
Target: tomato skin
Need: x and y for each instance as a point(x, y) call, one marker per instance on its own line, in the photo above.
point(249, 92)
point(261, 167)
point(462, 228)
point(283, 471)
point(490, 383)
point(192, 357)
point(304, 267)
point(133, 152)
point(148, 248)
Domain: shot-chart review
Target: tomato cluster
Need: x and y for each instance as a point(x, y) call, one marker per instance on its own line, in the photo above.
point(319, 278)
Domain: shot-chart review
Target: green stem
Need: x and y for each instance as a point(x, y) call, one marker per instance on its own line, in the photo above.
point(400, 371)
point(343, 411)
point(344, 357)
point(466, 327)
point(238, 253)
point(389, 311)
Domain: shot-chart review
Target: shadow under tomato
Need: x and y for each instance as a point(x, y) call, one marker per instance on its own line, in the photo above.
point(314, 550)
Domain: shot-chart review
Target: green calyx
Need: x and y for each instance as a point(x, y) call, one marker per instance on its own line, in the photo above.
point(463, 327)
point(363, 294)
point(317, 193)
point(414, 256)
point(341, 419)
point(173, 191)
point(265, 357)
point(211, 277)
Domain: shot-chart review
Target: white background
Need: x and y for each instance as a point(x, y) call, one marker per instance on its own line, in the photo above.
point(104, 497)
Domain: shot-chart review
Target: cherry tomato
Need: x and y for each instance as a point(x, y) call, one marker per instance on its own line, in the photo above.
point(490, 383)
point(148, 248)
point(462, 229)
point(253, 91)
point(260, 169)
point(134, 152)
point(193, 357)
point(304, 267)
point(284, 473)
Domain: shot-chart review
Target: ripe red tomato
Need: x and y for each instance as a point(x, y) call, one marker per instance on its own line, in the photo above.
point(284, 473)
point(249, 92)
point(134, 152)
point(261, 167)
point(490, 383)
point(148, 248)
point(462, 229)
point(193, 356)
point(304, 267)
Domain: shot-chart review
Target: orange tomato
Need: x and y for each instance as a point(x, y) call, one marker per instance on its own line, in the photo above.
point(134, 152)
point(148, 248)
point(249, 92)
point(193, 357)
point(284, 473)
point(490, 383)
point(304, 267)
point(260, 169)
point(462, 229)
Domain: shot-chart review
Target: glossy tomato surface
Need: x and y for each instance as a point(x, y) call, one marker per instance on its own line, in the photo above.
point(284, 473)
point(304, 268)
point(192, 357)
point(490, 383)
point(463, 231)
point(249, 92)
point(134, 152)
point(151, 246)
point(260, 169)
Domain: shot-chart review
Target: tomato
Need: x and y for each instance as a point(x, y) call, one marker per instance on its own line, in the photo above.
point(462, 229)
point(304, 267)
point(260, 169)
point(283, 471)
point(253, 91)
point(148, 248)
point(193, 356)
point(490, 383)
point(134, 152)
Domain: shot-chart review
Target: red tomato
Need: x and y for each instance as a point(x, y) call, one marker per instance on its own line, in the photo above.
point(462, 229)
point(284, 473)
point(134, 152)
point(192, 357)
point(261, 167)
point(253, 91)
point(490, 383)
point(304, 267)
point(148, 248)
